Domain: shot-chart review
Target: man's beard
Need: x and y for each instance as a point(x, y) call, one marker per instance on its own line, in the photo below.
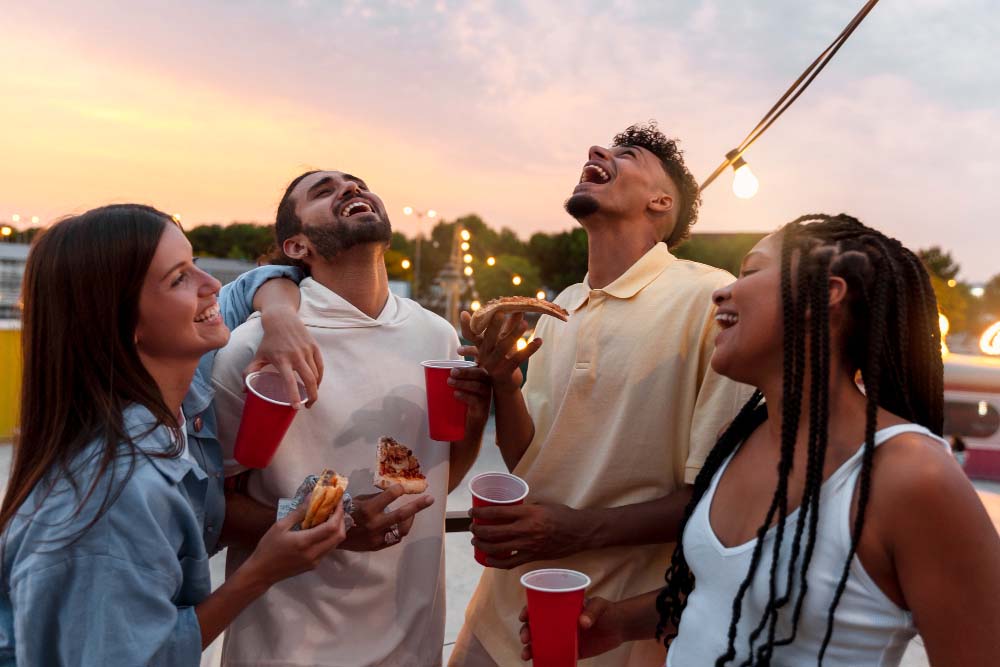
point(332, 239)
point(581, 205)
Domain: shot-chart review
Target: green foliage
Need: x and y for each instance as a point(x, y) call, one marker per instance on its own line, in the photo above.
point(239, 240)
point(495, 281)
point(561, 258)
point(723, 251)
point(939, 263)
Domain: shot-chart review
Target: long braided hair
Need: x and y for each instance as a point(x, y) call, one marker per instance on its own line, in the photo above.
point(893, 341)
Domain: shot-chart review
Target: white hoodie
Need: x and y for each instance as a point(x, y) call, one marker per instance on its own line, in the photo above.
point(382, 608)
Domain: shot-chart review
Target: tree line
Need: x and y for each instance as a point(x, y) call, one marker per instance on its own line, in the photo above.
point(553, 261)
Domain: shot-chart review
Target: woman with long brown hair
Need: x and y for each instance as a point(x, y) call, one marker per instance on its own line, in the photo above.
point(103, 555)
point(830, 524)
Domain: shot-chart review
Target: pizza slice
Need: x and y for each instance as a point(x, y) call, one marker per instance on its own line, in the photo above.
point(397, 465)
point(326, 494)
point(514, 304)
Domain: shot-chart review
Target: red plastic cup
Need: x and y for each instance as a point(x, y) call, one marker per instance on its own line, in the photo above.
point(267, 414)
point(445, 413)
point(492, 489)
point(555, 601)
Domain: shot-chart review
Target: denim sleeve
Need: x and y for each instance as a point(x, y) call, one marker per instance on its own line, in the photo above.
point(236, 298)
point(108, 611)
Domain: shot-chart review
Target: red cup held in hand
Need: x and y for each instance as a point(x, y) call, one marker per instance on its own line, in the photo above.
point(267, 414)
point(555, 602)
point(445, 413)
point(493, 489)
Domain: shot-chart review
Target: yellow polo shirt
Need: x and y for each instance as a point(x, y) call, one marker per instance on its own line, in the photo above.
point(626, 407)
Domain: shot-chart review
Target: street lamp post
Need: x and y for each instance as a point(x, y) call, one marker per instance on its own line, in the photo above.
point(430, 213)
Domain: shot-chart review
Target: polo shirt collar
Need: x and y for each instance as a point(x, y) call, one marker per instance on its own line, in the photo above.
point(647, 269)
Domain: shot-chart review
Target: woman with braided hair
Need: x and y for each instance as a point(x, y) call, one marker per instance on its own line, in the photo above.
point(830, 523)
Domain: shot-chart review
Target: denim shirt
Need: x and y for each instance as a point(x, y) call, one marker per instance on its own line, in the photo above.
point(123, 592)
point(236, 305)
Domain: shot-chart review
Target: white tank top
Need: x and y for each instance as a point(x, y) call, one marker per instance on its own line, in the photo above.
point(869, 629)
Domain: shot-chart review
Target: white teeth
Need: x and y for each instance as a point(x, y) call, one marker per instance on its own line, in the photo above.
point(727, 318)
point(207, 313)
point(354, 207)
point(594, 169)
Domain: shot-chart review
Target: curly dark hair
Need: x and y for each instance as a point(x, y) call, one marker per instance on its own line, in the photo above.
point(650, 137)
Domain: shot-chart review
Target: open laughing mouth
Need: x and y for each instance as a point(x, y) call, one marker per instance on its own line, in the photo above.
point(727, 320)
point(594, 173)
point(210, 315)
point(356, 207)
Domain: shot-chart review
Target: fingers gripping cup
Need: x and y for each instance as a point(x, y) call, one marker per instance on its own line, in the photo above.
point(267, 414)
point(445, 413)
point(492, 489)
point(555, 601)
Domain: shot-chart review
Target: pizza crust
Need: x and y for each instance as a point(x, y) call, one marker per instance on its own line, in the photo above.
point(514, 304)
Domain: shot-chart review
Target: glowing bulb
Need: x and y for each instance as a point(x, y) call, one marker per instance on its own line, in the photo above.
point(474, 306)
point(406, 264)
point(990, 342)
point(34, 221)
point(490, 261)
point(15, 218)
point(540, 294)
point(467, 258)
point(407, 210)
point(516, 280)
point(745, 184)
point(465, 246)
point(6, 231)
point(468, 270)
point(977, 292)
point(465, 235)
point(432, 213)
point(521, 344)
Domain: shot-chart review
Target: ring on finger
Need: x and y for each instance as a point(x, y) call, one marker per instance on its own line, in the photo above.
point(392, 535)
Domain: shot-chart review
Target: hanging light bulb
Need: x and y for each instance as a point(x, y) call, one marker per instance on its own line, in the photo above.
point(465, 246)
point(491, 261)
point(467, 258)
point(406, 264)
point(475, 305)
point(468, 270)
point(745, 184)
point(465, 235)
point(516, 279)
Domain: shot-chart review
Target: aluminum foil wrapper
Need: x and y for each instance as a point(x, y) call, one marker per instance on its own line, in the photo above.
point(288, 505)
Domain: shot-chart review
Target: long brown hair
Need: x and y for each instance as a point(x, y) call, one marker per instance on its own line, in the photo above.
point(81, 293)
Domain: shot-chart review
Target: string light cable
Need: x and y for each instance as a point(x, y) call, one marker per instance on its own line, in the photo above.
point(734, 158)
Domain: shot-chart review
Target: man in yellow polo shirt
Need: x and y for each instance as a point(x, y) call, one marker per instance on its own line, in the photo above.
point(620, 407)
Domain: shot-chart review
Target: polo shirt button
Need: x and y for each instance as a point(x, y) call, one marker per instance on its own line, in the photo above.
point(198, 423)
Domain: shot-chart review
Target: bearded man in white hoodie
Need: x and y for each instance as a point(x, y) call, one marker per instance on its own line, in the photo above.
point(379, 598)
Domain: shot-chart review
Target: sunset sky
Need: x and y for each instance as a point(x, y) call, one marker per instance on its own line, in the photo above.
point(208, 109)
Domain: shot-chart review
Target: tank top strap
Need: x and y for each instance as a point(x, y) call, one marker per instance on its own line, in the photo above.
point(840, 492)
